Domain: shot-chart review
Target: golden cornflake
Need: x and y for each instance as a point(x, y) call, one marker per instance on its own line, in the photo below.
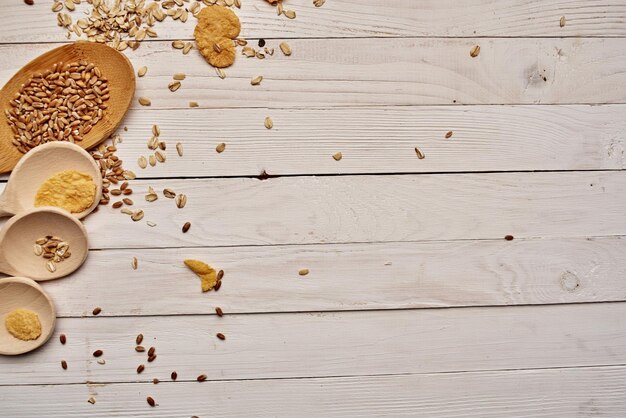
point(206, 273)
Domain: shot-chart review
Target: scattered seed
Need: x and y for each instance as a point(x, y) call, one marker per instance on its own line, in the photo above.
point(144, 101)
point(220, 147)
point(152, 358)
point(220, 73)
point(181, 200)
point(150, 401)
point(187, 48)
point(201, 378)
point(319, 3)
point(219, 311)
point(178, 44)
point(269, 124)
point(101, 361)
point(140, 349)
point(137, 216)
point(261, 42)
point(193, 104)
point(134, 265)
point(142, 71)
point(220, 275)
point(220, 336)
point(562, 21)
point(174, 375)
point(174, 85)
point(29, 2)
point(91, 400)
point(151, 351)
point(152, 160)
point(179, 149)
point(140, 368)
point(63, 338)
point(290, 14)
point(97, 311)
point(126, 211)
point(160, 156)
point(508, 237)
point(284, 46)
point(256, 80)
point(169, 193)
point(448, 134)
point(303, 272)
point(475, 51)
point(217, 286)
point(64, 364)
point(139, 339)
point(51, 266)
point(97, 353)
point(127, 201)
point(337, 156)
point(419, 153)
point(186, 227)
point(155, 381)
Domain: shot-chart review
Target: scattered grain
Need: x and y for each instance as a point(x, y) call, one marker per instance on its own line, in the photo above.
point(475, 51)
point(419, 153)
point(151, 401)
point(220, 147)
point(63, 338)
point(562, 21)
point(256, 80)
point(220, 336)
point(142, 71)
point(174, 85)
point(140, 368)
point(303, 272)
point(144, 101)
point(269, 124)
point(179, 149)
point(97, 311)
point(139, 339)
point(337, 156)
point(284, 46)
point(186, 227)
point(134, 265)
point(201, 378)
point(97, 353)
point(64, 364)
point(448, 134)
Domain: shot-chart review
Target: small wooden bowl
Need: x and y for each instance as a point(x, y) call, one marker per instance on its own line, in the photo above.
point(20, 292)
point(114, 66)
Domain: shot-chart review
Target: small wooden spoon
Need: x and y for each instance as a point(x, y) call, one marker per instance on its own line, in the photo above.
point(17, 240)
point(20, 292)
point(40, 163)
point(113, 65)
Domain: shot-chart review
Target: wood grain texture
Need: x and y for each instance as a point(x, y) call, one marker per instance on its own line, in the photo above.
point(349, 277)
point(328, 344)
point(350, 18)
point(367, 72)
point(341, 209)
point(380, 140)
point(570, 392)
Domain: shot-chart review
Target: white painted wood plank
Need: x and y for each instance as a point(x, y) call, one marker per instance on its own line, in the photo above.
point(349, 18)
point(340, 209)
point(518, 393)
point(381, 140)
point(349, 277)
point(328, 344)
point(366, 72)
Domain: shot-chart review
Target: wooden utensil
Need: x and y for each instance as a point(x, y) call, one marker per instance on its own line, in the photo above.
point(20, 292)
point(40, 163)
point(17, 238)
point(113, 65)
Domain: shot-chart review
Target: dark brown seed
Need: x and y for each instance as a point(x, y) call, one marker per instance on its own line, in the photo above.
point(139, 339)
point(29, 2)
point(97, 311)
point(140, 368)
point(127, 201)
point(97, 353)
point(117, 205)
point(220, 274)
point(186, 226)
point(217, 286)
point(194, 416)
point(62, 338)
point(448, 134)
point(219, 311)
point(140, 349)
point(64, 364)
point(202, 378)
point(151, 351)
point(174, 375)
point(150, 401)
point(127, 192)
point(261, 42)
point(155, 381)
point(220, 336)
point(151, 358)
point(124, 185)
point(508, 237)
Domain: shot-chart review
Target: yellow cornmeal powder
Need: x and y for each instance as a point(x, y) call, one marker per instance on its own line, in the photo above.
point(23, 324)
point(70, 190)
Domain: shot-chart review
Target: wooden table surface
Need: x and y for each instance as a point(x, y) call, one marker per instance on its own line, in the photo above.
point(415, 304)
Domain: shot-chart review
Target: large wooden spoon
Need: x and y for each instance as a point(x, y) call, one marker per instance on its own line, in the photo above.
point(113, 65)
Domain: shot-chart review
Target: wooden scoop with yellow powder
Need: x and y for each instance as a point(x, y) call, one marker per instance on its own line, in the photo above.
point(71, 190)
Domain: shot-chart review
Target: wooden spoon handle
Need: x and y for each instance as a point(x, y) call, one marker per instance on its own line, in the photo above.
point(6, 209)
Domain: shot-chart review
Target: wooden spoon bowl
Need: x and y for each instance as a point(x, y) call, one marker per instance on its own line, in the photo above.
point(113, 65)
point(37, 166)
point(17, 238)
point(20, 292)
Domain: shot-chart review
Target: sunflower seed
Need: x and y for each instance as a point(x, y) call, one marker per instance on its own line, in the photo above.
point(181, 200)
point(152, 160)
point(193, 104)
point(38, 249)
point(156, 130)
point(220, 73)
point(318, 3)
point(126, 211)
point(51, 266)
point(187, 48)
point(91, 400)
point(129, 175)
